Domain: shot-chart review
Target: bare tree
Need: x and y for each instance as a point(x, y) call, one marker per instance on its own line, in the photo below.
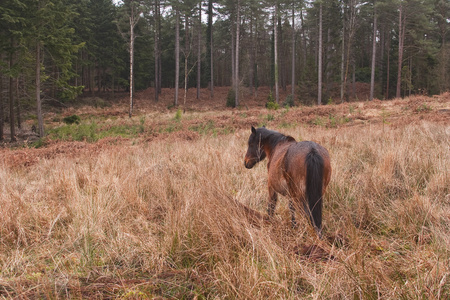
point(177, 54)
point(293, 53)
point(133, 18)
point(199, 48)
point(187, 52)
point(236, 67)
point(38, 90)
point(343, 54)
point(11, 96)
point(210, 45)
point(1, 100)
point(401, 40)
point(348, 32)
point(374, 49)
point(319, 84)
point(275, 30)
point(157, 50)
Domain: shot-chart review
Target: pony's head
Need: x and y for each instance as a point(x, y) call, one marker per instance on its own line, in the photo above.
point(255, 152)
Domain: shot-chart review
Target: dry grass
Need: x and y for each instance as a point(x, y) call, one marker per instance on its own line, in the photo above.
point(158, 219)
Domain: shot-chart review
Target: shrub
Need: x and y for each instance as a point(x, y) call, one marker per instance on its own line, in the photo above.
point(271, 104)
point(73, 119)
point(178, 115)
point(289, 102)
point(231, 99)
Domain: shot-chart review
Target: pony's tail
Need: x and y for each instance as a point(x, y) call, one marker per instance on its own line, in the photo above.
point(314, 182)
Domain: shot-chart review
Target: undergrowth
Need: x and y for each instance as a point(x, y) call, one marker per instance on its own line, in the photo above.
point(158, 219)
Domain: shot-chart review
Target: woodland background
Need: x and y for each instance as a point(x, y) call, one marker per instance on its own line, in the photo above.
point(53, 51)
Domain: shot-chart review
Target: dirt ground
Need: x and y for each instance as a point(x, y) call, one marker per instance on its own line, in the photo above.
point(252, 112)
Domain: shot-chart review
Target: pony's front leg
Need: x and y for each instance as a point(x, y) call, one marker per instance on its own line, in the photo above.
point(273, 198)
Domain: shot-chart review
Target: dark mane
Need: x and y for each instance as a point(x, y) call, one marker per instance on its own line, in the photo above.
point(272, 137)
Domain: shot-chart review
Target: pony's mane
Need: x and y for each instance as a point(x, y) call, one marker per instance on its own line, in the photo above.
point(273, 137)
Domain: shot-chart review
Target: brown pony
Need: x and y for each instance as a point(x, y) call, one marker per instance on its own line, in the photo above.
point(300, 170)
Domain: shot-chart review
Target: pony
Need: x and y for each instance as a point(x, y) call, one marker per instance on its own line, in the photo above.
point(298, 170)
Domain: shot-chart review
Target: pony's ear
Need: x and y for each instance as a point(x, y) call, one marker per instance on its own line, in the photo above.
point(253, 130)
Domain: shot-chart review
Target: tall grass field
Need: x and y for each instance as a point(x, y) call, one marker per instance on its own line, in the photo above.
point(161, 218)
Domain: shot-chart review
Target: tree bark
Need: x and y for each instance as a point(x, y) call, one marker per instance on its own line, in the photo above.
point(319, 84)
point(38, 90)
point(343, 57)
point(351, 33)
point(130, 112)
point(187, 52)
point(401, 39)
point(252, 56)
point(177, 54)
point(156, 50)
point(11, 98)
point(374, 49)
point(1, 102)
point(236, 67)
point(199, 49)
point(275, 36)
point(388, 65)
point(210, 45)
point(233, 57)
point(19, 120)
point(293, 53)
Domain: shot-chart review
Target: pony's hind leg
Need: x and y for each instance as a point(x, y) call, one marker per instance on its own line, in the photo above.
point(273, 198)
point(292, 209)
point(308, 213)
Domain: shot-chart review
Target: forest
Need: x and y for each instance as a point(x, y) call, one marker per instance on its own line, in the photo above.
point(132, 118)
point(54, 51)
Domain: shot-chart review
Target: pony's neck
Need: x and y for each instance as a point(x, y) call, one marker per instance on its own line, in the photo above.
point(270, 139)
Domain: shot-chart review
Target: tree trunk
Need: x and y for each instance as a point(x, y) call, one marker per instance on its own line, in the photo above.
point(19, 120)
point(233, 57)
point(343, 57)
point(381, 57)
point(275, 58)
point(236, 66)
point(410, 77)
point(199, 49)
point(210, 46)
point(11, 98)
point(159, 49)
point(256, 56)
point(130, 112)
point(187, 52)
point(293, 53)
point(156, 50)
point(354, 79)
point(177, 54)
point(1, 102)
point(38, 90)
point(374, 49)
point(388, 65)
point(328, 65)
point(351, 33)
point(319, 84)
point(304, 43)
point(401, 39)
point(251, 72)
point(281, 59)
